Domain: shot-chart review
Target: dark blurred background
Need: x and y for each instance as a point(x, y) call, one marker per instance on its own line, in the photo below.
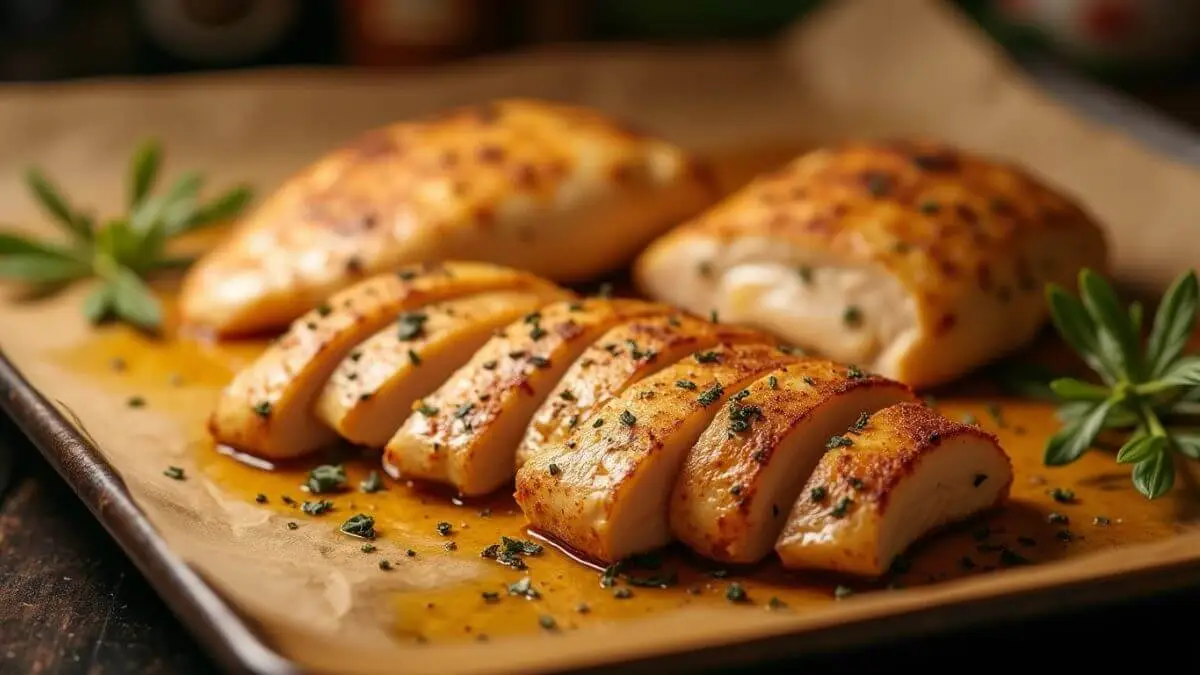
point(1131, 43)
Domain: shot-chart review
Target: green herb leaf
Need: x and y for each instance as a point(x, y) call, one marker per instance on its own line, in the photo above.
point(1072, 441)
point(1139, 448)
point(1188, 444)
point(1154, 475)
point(14, 244)
point(1078, 329)
point(1078, 390)
point(1185, 371)
point(221, 209)
point(1173, 324)
point(1115, 332)
point(134, 302)
point(98, 305)
point(144, 171)
point(41, 269)
point(52, 201)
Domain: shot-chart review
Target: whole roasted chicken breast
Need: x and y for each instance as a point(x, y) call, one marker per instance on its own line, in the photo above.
point(560, 191)
point(913, 259)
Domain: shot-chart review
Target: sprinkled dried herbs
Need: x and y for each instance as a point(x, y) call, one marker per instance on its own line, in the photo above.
point(622, 593)
point(554, 469)
point(292, 526)
point(704, 269)
point(359, 525)
point(326, 478)
point(838, 442)
point(598, 423)
point(809, 381)
point(854, 372)
point(686, 384)
point(174, 473)
point(414, 358)
point(842, 507)
point(567, 396)
point(444, 528)
point(524, 588)
point(425, 409)
point(852, 317)
point(627, 418)
point(736, 593)
point(260, 498)
point(539, 361)
point(1056, 518)
point(317, 508)
point(776, 604)
point(411, 325)
point(711, 395)
point(1062, 495)
point(135, 402)
point(490, 597)
point(463, 410)
point(773, 382)
point(547, 622)
point(368, 548)
point(1101, 521)
point(385, 565)
point(860, 423)
point(707, 357)
point(489, 365)
point(806, 274)
point(979, 479)
point(818, 493)
point(842, 592)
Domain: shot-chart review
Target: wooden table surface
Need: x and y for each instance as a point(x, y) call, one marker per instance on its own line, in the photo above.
point(71, 602)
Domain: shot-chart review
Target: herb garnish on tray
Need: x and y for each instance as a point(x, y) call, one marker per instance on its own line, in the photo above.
point(1144, 385)
point(121, 252)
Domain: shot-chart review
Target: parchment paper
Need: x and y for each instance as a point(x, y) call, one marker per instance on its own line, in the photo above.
point(864, 67)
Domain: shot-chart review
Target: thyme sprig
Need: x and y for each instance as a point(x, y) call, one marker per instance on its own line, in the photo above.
point(1143, 384)
point(121, 252)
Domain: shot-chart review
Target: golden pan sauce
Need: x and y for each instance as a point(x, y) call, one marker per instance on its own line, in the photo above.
point(1038, 524)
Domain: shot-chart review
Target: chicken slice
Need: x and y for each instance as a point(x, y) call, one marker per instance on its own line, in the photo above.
point(267, 409)
point(906, 472)
point(738, 483)
point(404, 362)
point(623, 356)
point(466, 433)
point(605, 490)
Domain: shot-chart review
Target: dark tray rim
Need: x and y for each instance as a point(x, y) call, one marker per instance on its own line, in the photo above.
point(234, 645)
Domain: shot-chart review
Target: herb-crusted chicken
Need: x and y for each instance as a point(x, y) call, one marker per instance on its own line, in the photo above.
point(267, 409)
point(365, 399)
point(624, 355)
point(906, 472)
point(560, 191)
point(914, 259)
point(605, 490)
point(465, 433)
point(738, 483)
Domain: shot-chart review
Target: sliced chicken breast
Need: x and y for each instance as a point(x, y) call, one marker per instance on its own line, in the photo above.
point(559, 190)
point(466, 433)
point(906, 472)
point(914, 259)
point(267, 409)
point(623, 356)
point(738, 483)
point(605, 490)
point(377, 383)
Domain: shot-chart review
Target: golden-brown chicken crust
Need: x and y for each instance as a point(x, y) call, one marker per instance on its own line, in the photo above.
point(868, 487)
point(624, 355)
point(459, 432)
point(973, 240)
point(557, 190)
point(267, 409)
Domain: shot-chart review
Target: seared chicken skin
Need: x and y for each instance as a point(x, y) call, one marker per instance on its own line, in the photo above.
point(913, 259)
point(376, 384)
point(557, 190)
point(624, 355)
point(466, 433)
point(605, 490)
point(268, 408)
point(740, 480)
point(907, 471)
